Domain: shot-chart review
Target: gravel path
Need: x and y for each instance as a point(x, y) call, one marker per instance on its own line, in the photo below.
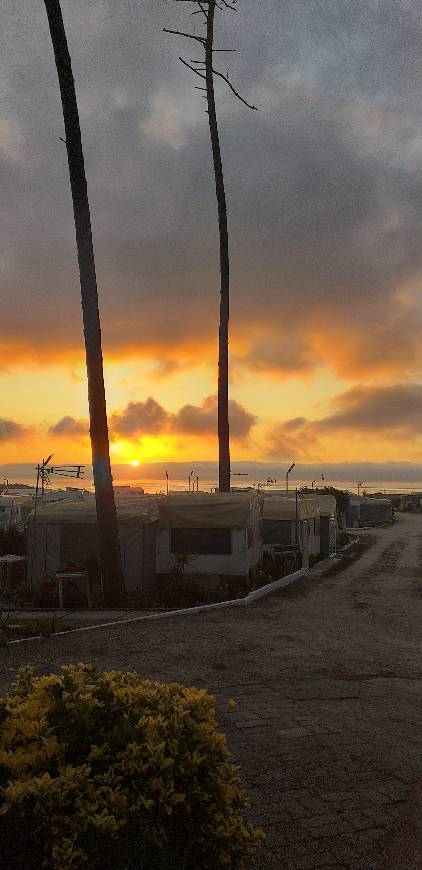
point(328, 676)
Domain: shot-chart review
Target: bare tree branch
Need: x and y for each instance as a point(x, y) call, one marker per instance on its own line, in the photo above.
point(192, 68)
point(200, 39)
point(201, 9)
point(226, 5)
point(204, 2)
point(228, 82)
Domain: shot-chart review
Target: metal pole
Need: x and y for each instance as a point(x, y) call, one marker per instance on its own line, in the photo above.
point(287, 481)
point(42, 482)
point(36, 492)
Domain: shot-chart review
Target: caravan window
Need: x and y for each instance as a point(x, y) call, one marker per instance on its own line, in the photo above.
point(201, 541)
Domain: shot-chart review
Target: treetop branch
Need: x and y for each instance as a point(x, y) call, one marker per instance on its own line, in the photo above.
point(201, 76)
point(228, 82)
point(200, 39)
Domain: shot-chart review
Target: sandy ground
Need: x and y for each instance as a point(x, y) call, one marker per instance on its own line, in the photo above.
point(328, 678)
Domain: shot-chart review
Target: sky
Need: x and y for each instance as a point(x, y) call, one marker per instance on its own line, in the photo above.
point(324, 192)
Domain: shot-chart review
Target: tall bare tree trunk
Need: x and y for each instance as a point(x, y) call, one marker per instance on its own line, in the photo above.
point(223, 343)
point(104, 495)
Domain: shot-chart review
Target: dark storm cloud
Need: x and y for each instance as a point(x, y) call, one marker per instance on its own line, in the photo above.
point(324, 184)
point(394, 411)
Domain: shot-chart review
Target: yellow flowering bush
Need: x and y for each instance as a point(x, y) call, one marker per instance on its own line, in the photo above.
point(111, 770)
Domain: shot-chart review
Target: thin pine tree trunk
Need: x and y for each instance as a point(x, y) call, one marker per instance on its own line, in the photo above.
point(223, 344)
point(104, 495)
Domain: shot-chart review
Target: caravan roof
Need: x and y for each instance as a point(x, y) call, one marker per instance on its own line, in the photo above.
point(132, 510)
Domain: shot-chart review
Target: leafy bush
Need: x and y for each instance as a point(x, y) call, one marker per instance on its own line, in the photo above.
point(115, 771)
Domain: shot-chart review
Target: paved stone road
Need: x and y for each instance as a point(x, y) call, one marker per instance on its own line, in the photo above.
point(328, 677)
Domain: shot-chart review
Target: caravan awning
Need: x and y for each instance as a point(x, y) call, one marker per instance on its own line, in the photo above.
point(285, 509)
point(208, 510)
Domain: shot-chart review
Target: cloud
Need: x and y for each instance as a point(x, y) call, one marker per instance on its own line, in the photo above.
point(392, 413)
point(11, 431)
point(171, 118)
point(396, 409)
point(68, 426)
point(150, 418)
point(323, 184)
point(11, 139)
point(202, 419)
point(140, 418)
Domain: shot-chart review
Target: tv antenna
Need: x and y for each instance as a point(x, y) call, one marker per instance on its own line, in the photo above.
point(45, 471)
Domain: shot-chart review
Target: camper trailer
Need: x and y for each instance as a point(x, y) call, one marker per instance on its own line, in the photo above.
point(220, 534)
point(292, 524)
point(365, 511)
point(64, 534)
point(327, 521)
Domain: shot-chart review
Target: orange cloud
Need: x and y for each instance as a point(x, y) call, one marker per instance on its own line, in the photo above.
point(150, 419)
point(11, 431)
point(390, 414)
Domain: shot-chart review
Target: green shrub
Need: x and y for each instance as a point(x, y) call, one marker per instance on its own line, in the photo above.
point(115, 771)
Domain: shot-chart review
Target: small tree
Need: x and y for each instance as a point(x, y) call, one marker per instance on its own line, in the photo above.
point(104, 495)
point(206, 71)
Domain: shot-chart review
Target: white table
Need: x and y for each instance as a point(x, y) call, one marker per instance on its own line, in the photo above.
point(81, 575)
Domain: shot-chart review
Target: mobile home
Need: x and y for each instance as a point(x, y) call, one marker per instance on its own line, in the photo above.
point(292, 525)
point(65, 534)
point(221, 533)
point(364, 511)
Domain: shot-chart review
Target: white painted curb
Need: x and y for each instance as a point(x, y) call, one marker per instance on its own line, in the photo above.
point(186, 611)
point(276, 584)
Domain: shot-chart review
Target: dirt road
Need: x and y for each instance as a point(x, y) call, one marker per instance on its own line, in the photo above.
point(328, 678)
